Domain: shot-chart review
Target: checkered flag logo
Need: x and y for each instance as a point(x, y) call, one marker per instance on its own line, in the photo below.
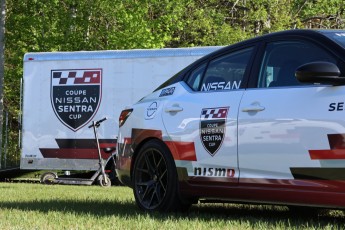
point(76, 77)
point(75, 95)
point(213, 128)
point(214, 113)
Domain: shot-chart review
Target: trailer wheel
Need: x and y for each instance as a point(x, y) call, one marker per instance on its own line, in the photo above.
point(48, 178)
point(104, 181)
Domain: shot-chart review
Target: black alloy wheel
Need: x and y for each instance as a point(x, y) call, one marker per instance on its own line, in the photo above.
point(155, 178)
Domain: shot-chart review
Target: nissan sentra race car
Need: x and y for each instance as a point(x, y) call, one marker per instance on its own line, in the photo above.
point(261, 121)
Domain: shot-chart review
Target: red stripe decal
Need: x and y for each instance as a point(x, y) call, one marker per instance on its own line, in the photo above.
point(285, 191)
point(72, 153)
point(138, 135)
point(336, 151)
point(182, 150)
point(288, 184)
point(336, 141)
point(179, 150)
point(78, 149)
point(106, 145)
point(333, 154)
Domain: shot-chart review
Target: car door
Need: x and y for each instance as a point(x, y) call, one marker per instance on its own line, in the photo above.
point(203, 111)
point(287, 131)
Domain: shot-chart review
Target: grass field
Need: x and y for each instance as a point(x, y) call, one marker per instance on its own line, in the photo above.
point(36, 206)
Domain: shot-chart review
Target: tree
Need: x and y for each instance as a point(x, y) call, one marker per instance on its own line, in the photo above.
point(323, 14)
point(2, 67)
point(72, 25)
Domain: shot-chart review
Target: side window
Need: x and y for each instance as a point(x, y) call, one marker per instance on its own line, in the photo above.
point(281, 59)
point(226, 72)
point(195, 77)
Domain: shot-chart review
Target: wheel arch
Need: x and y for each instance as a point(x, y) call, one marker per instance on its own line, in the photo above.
point(139, 146)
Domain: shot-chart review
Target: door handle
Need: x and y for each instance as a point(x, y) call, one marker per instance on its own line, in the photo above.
point(173, 109)
point(253, 108)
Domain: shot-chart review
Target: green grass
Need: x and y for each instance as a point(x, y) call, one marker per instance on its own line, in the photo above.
point(36, 206)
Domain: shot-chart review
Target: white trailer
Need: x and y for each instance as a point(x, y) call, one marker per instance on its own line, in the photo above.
point(65, 91)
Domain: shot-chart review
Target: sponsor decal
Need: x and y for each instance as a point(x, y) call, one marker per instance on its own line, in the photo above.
point(221, 86)
point(212, 128)
point(151, 110)
point(167, 92)
point(76, 95)
point(336, 106)
point(214, 172)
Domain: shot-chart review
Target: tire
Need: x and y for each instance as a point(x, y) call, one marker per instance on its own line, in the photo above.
point(155, 179)
point(48, 178)
point(104, 181)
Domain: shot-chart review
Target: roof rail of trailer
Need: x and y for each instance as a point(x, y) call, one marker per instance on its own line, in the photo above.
point(118, 54)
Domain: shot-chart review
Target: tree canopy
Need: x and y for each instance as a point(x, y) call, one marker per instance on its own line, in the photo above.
point(73, 25)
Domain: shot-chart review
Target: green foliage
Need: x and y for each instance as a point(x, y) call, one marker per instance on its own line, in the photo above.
point(72, 25)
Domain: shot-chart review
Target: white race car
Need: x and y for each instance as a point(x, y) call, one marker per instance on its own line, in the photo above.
point(261, 121)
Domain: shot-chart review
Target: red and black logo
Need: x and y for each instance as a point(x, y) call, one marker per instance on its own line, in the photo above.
point(212, 128)
point(76, 95)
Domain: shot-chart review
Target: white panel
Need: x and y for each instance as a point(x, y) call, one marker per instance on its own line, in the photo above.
point(127, 77)
point(294, 121)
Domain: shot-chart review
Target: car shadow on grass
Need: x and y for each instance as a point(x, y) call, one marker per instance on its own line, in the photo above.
point(275, 215)
point(250, 214)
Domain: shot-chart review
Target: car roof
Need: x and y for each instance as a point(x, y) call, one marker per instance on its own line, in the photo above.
point(310, 33)
point(293, 32)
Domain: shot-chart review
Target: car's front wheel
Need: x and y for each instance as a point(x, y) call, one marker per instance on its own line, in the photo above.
point(155, 178)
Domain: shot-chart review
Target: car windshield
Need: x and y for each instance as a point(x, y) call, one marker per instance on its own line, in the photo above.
point(337, 36)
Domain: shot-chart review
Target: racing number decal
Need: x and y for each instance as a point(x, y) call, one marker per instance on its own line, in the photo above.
point(212, 128)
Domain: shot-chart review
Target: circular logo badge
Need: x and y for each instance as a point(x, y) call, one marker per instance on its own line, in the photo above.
point(151, 110)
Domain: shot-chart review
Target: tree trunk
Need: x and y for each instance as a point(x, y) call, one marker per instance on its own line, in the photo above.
point(2, 67)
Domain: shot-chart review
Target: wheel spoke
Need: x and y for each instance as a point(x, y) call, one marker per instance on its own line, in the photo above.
point(159, 162)
point(162, 182)
point(154, 160)
point(158, 192)
point(149, 196)
point(143, 170)
point(145, 186)
point(152, 197)
point(150, 167)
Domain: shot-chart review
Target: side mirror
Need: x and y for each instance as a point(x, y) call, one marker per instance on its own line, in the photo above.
point(319, 72)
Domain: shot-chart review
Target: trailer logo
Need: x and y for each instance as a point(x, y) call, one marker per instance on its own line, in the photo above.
point(212, 128)
point(76, 95)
